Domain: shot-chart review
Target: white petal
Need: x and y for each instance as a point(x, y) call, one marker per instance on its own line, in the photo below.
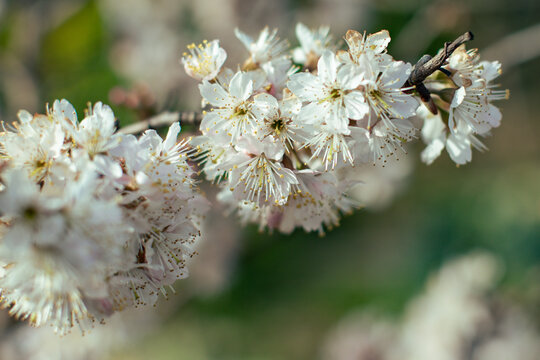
point(314, 113)
point(64, 110)
point(214, 94)
point(172, 135)
point(492, 116)
point(265, 106)
point(241, 86)
point(303, 33)
point(350, 76)
point(337, 120)
point(404, 106)
point(490, 69)
point(395, 75)
point(459, 149)
point(433, 128)
point(432, 151)
point(244, 38)
point(356, 105)
point(24, 116)
point(458, 97)
point(306, 86)
point(378, 42)
point(327, 67)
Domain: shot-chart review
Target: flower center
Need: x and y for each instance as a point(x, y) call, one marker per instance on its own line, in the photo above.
point(335, 93)
point(240, 111)
point(278, 125)
point(30, 213)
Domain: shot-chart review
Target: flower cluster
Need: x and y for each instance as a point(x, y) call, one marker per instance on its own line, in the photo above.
point(281, 134)
point(92, 221)
point(465, 109)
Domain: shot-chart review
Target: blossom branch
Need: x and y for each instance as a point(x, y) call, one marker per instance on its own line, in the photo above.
point(282, 145)
point(427, 65)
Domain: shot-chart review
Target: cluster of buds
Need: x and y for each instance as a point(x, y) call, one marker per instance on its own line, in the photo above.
point(92, 221)
point(282, 134)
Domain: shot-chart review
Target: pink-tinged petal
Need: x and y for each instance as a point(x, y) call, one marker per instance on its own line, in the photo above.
point(214, 94)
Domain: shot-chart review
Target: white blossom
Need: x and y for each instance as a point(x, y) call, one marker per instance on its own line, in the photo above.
point(312, 44)
point(35, 144)
point(269, 125)
point(232, 108)
point(373, 46)
point(267, 48)
point(472, 99)
point(204, 60)
point(437, 137)
point(383, 90)
point(472, 106)
point(55, 258)
point(332, 99)
point(92, 221)
point(96, 133)
point(279, 120)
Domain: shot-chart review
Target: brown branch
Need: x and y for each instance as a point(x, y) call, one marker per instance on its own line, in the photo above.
point(428, 65)
point(162, 120)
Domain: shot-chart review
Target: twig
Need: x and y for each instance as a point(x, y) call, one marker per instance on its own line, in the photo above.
point(427, 65)
point(162, 120)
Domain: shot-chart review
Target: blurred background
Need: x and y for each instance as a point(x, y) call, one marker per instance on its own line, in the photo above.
point(255, 295)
